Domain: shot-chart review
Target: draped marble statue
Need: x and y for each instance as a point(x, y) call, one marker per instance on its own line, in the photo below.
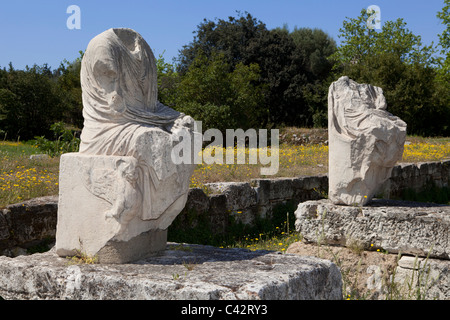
point(122, 187)
point(365, 141)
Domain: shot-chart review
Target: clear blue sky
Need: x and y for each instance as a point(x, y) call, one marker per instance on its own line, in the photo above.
point(36, 31)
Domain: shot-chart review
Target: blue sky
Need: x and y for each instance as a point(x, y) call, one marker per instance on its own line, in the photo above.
point(36, 31)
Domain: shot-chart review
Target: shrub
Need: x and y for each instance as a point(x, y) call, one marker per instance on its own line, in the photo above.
point(65, 141)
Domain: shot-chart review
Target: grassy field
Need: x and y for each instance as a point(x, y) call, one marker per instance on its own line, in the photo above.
point(22, 178)
point(311, 159)
point(302, 152)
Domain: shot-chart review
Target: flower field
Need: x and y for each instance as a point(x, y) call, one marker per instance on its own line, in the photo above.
point(308, 160)
point(22, 178)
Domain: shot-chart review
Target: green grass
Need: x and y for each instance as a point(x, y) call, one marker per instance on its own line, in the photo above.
point(17, 149)
point(22, 178)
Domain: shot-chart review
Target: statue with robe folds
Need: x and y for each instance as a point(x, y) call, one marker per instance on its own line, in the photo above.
point(365, 141)
point(122, 187)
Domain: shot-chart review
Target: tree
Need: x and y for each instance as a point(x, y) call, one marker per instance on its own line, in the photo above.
point(246, 40)
point(317, 46)
point(69, 85)
point(219, 98)
point(29, 101)
point(232, 37)
point(444, 37)
point(168, 80)
point(360, 42)
point(395, 60)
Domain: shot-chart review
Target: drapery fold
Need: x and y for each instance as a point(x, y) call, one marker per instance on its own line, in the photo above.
point(120, 106)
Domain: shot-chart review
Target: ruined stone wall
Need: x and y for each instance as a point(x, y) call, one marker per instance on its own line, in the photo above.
point(25, 224)
point(417, 177)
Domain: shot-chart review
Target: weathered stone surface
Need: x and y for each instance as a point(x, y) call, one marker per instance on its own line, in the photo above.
point(197, 200)
point(281, 189)
point(396, 226)
point(188, 272)
point(416, 177)
point(92, 225)
point(39, 157)
point(365, 141)
point(28, 222)
point(422, 278)
point(239, 195)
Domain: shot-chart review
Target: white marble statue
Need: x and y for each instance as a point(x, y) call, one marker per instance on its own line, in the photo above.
point(365, 141)
point(123, 171)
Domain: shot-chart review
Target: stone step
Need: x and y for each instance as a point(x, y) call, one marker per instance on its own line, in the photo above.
point(181, 272)
point(404, 227)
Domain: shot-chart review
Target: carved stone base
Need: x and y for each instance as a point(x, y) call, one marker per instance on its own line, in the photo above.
point(97, 213)
point(181, 272)
point(145, 245)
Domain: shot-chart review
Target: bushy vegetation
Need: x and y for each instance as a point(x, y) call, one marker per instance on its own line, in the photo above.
point(287, 73)
point(280, 75)
point(64, 140)
point(32, 100)
point(237, 73)
point(410, 73)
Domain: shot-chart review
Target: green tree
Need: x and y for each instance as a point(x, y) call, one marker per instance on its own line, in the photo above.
point(317, 47)
point(395, 60)
point(444, 37)
point(359, 43)
point(69, 84)
point(168, 80)
point(30, 101)
point(221, 99)
point(233, 37)
point(246, 40)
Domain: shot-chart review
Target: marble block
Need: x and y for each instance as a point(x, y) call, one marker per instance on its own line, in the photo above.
point(365, 141)
point(100, 212)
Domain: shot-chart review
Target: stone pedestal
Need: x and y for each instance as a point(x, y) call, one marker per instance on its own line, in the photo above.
point(181, 272)
point(404, 227)
point(99, 212)
point(415, 233)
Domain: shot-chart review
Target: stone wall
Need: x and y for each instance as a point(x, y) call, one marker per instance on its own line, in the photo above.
point(416, 177)
point(25, 224)
point(416, 233)
point(247, 201)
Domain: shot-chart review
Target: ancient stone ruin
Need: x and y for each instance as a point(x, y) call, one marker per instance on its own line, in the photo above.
point(365, 141)
point(120, 193)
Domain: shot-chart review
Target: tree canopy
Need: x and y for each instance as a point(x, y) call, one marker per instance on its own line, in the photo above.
point(237, 73)
point(396, 60)
point(287, 62)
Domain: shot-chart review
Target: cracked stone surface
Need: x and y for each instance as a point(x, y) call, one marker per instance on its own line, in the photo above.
point(182, 271)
